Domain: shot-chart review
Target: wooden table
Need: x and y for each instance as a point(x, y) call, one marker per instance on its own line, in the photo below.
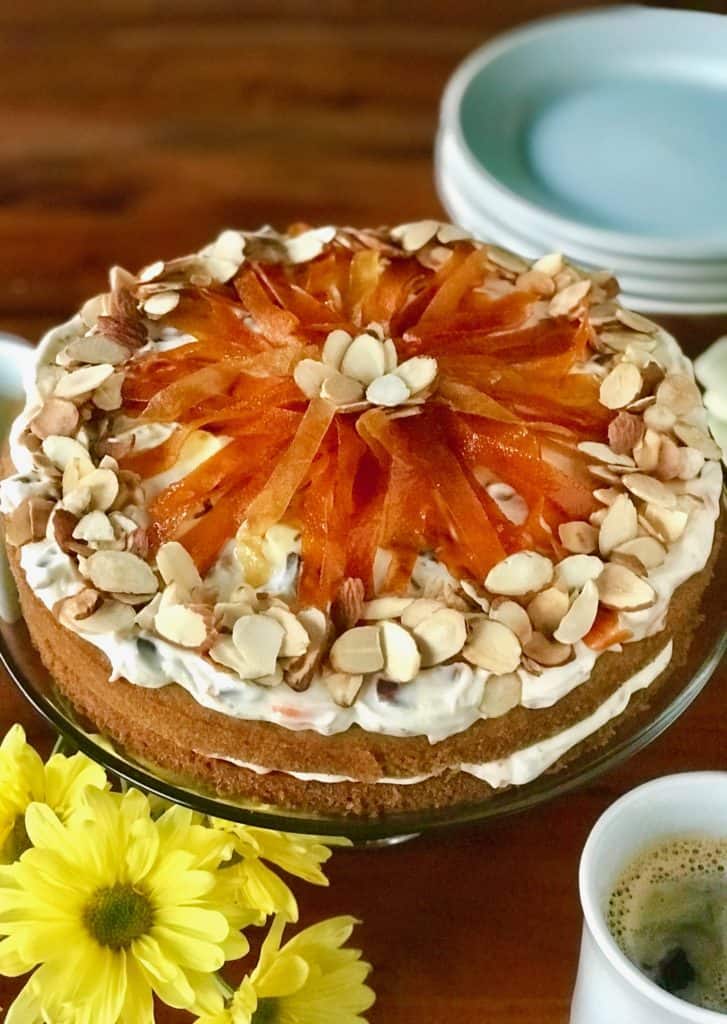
point(137, 130)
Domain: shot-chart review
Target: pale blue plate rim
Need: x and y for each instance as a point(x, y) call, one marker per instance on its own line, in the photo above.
point(619, 242)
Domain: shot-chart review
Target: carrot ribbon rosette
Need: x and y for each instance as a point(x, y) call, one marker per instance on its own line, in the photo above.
point(506, 407)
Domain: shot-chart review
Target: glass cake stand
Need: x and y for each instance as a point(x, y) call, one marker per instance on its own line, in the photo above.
point(630, 735)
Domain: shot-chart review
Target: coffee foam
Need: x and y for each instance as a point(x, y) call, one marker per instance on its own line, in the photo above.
point(674, 895)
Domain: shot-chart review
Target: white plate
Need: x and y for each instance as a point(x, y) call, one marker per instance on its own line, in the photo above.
point(608, 128)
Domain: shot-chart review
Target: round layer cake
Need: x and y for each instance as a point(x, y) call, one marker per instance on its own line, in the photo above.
point(360, 521)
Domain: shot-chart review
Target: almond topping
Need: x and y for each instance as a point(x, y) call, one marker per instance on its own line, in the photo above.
point(309, 375)
point(580, 616)
point(416, 235)
point(103, 487)
point(669, 461)
point(108, 396)
point(519, 574)
point(547, 652)
point(111, 617)
point(347, 607)
point(649, 489)
point(502, 693)
point(550, 264)
point(659, 418)
point(624, 432)
point(296, 639)
point(364, 359)
point(679, 393)
point(419, 610)
point(385, 608)
point(635, 321)
point(622, 589)
point(492, 646)
point(646, 452)
point(621, 386)
point(176, 565)
point(58, 417)
point(441, 636)
point(569, 298)
point(83, 381)
point(341, 390)
point(578, 537)
point(690, 463)
point(334, 349)
point(546, 610)
point(343, 687)
point(258, 640)
point(28, 521)
point(649, 552)
point(80, 606)
point(358, 651)
point(667, 524)
point(619, 524)
point(418, 372)
point(514, 616)
point(401, 654)
point(603, 453)
point(60, 450)
point(95, 528)
point(698, 439)
point(573, 572)
point(122, 572)
point(161, 303)
point(181, 625)
point(388, 390)
point(95, 349)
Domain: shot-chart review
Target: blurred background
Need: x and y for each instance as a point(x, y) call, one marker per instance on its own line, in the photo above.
point(134, 130)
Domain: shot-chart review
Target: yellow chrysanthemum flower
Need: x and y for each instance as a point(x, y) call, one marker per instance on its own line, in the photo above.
point(61, 784)
point(312, 979)
point(258, 887)
point(114, 906)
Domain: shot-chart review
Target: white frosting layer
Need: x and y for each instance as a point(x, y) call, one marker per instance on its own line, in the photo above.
point(440, 702)
point(522, 766)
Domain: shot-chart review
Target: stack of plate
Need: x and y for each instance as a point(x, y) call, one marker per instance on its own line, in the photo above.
point(604, 136)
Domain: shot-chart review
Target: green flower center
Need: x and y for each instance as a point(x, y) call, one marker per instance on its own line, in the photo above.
point(118, 914)
point(266, 1012)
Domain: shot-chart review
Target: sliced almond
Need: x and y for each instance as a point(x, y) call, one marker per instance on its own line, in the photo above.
point(108, 396)
point(636, 321)
point(538, 282)
point(60, 450)
point(441, 636)
point(418, 372)
point(448, 233)
point(364, 359)
point(385, 608)
point(27, 521)
point(603, 453)
point(492, 646)
point(578, 537)
point(258, 640)
point(647, 550)
point(667, 524)
point(296, 639)
point(103, 488)
point(110, 617)
point(569, 298)
point(161, 303)
point(502, 694)
point(697, 439)
point(474, 595)
point(606, 495)
point(95, 528)
point(309, 375)
point(546, 610)
point(95, 349)
point(181, 625)
point(669, 461)
point(121, 572)
point(551, 264)
point(624, 432)
point(620, 524)
point(224, 652)
point(348, 604)
point(57, 417)
point(573, 572)
point(334, 349)
point(506, 260)
point(604, 473)
point(391, 357)
point(176, 565)
point(519, 574)
point(419, 610)
point(344, 687)
point(388, 390)
point(646, 452)
point(691, 462)
point(341, 390)
point(299, 672)
point(580, 617)
point(514, 616)
point(659, 417)
point(649, 489)
point(596, 518)
point(679, 393)
point(547, 652)
point(415, 235)
point(83, 381)
point(358, 651)
point(621, 386)
point(79, 606)
point(622, 589)
point(401, 654)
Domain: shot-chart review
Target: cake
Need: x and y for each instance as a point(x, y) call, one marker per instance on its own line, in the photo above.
point(360, 521)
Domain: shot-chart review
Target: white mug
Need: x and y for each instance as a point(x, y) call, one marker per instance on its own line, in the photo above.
point(609, 988)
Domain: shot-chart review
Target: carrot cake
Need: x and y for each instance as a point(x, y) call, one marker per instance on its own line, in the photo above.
point(358, 521)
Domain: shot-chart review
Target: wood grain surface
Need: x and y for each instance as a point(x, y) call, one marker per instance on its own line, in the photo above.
point(137, 130)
